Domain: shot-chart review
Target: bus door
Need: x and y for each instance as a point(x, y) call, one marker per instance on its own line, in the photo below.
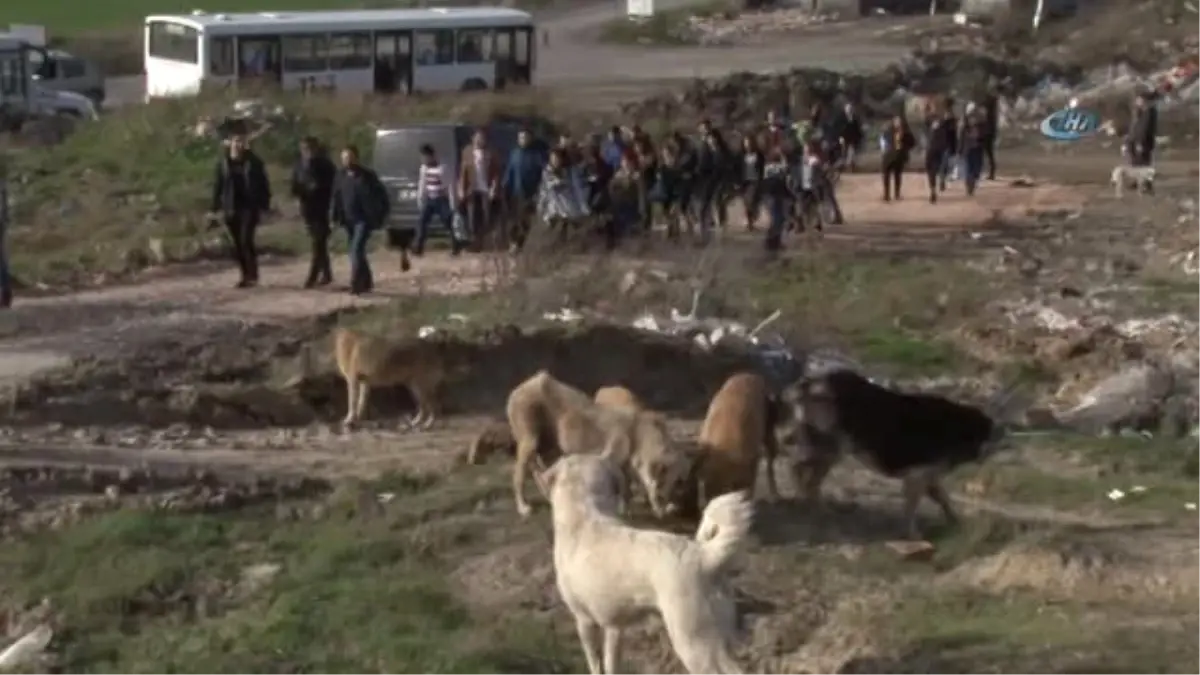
point(514, 56)
point(259, 59)
point(522, 57)
point(393, 62)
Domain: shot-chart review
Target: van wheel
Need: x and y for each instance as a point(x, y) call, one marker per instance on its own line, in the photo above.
point(474, 84)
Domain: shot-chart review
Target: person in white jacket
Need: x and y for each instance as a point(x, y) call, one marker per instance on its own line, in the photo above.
point(435, 199)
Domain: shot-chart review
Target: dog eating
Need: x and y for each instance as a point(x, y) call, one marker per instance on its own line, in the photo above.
point(916, 438)
point(738, 432)
point(611, 575)
point(549, 418)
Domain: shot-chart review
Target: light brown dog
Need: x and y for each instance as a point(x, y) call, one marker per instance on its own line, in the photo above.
point(618, 396)
point(422, 365)
point(548, 418)
point(738, 431)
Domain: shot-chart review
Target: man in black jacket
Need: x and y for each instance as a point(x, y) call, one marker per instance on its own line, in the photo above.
point(941, 140)
point(312, 186)
point(990, 126)
point(1139, 144)
point(360, 204)
point(850, 136)
point(241, 193)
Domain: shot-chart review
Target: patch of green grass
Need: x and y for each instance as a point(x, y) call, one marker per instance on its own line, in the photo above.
point(1165, 468)
point(665, 28)
point(970, 631)
point(892, 313)
point(154, 591)
point(91, 205)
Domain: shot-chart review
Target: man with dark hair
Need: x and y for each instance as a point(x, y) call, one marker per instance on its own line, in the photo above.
point(360, 205)
point(522, 178)
point(478, 186)
point(312, 186)
point(241, 193)
point(941, 139)
point(434, 201)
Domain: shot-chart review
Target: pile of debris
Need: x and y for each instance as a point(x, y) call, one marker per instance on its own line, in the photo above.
point(726, 29)
point(744, 98)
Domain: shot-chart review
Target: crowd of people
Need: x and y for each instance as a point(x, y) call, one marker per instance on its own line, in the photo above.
point(619, 186)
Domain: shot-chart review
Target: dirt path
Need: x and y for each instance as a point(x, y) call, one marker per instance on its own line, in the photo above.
point(45, 332)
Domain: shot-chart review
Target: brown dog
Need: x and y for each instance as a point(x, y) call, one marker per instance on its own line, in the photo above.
point(618, 396)
point(548, 417)
point(421, 365)
point(738, 431)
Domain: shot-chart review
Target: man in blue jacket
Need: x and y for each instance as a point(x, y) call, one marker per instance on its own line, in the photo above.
point(613, 148)
point(520, 182)
point(361, 205)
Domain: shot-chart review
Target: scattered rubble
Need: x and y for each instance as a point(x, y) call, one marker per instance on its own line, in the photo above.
point(747, 27)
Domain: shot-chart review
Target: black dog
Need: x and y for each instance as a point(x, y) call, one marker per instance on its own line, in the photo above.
point(914, 437)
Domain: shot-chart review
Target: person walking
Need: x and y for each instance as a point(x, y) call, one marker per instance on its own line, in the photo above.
point(312, 186)
point(990, 119)
point(972, 144)
point(776, 195)
point(751, 162)
point(434, 200)
point(478, 187)
point(1139, 143)
point(520, 184)
point(361, 206)
point(896, 144)
point(850, 137)
point(5, 276)
point(940, 141)
point(241, 194)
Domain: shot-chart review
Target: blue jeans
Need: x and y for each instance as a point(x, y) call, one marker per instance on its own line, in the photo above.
point(434, 208)
point(360, 269)
point(972, 168)
point(777, 212)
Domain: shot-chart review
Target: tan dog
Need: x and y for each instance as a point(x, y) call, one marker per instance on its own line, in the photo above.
point(619, 397)
point(421, 365)
point(548, 418)
point(738, 431)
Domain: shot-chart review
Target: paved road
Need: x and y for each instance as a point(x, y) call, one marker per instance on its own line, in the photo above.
point(575, 58)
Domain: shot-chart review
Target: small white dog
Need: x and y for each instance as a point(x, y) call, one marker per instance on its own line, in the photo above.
point(1141, 176)
point(611, 575)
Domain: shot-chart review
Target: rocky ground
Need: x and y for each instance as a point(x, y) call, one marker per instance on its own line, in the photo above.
point(175, 493)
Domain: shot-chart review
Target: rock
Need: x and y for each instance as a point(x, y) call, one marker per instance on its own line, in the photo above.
point(1132, 398)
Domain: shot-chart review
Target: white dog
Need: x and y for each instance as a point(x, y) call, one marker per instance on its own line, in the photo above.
point(1141, 176)
point(611, 575)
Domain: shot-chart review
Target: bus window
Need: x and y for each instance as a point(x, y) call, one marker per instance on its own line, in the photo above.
point(474, 46)
point(221, 61)
point(173, 42)
point(305, 54)
point(259, 56)
point(435, 48)
point(350, 51)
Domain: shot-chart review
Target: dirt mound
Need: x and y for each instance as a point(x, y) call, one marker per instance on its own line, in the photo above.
point(239, 384)
point(1084, 569)
point(668, 373)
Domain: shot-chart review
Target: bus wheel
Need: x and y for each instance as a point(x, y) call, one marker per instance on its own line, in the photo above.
point(474, 84)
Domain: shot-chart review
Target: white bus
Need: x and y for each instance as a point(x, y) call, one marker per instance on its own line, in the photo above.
point(385, 51)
